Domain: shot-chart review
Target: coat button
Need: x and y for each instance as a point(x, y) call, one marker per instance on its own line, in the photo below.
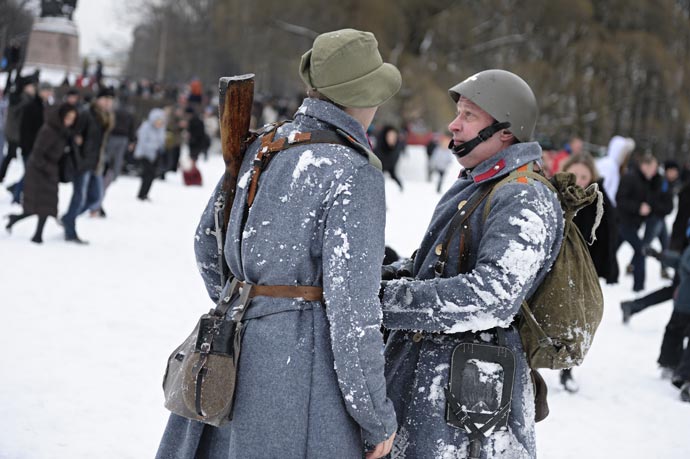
point(417, 337)
point(462, 204)
point(439, 249)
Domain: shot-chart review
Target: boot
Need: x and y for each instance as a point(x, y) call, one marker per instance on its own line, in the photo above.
point(677, 381)
point(38, 235)
point(76, 240)
point(685, 392)
point(568, 382)
point(12, 219)
point(627, 308)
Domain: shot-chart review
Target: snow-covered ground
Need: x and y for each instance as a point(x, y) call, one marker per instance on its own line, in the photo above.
point(85, 332)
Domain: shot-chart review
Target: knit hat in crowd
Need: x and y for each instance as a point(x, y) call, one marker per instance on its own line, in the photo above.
point(346, 66)
point(106, 91)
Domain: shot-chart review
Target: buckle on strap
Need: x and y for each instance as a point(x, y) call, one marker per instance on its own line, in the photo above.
point(241, 307)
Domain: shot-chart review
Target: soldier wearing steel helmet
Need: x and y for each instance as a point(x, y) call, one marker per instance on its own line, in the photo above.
point(507, 246)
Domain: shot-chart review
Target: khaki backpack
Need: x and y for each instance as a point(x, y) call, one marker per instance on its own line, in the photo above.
point(557, 324)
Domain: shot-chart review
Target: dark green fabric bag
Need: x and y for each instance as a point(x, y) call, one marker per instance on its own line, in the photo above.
point(557, 324)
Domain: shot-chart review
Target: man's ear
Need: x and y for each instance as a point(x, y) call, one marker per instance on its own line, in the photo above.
point(506, 136)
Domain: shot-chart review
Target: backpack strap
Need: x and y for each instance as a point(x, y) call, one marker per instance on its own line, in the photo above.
point(465, 210)
point(520, 175)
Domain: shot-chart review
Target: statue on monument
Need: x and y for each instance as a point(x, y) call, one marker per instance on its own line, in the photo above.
point(58, 8)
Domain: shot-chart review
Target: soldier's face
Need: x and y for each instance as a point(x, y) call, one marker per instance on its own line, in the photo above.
point(471, 119)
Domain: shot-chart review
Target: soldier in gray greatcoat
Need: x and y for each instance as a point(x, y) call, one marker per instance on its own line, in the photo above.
point(509, 254)
point(311, 373)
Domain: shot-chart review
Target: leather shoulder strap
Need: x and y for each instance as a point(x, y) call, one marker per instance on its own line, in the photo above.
point(520, 176)
point(465, 210)
point(270, 148)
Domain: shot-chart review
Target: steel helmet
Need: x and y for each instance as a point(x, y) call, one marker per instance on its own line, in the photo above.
point(503, 95)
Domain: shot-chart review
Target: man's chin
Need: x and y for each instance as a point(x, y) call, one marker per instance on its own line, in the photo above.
point(466, 162)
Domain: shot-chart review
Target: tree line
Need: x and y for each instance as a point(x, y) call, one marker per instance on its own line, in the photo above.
point(597, 67)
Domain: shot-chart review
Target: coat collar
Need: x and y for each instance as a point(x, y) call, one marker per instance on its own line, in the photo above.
point(325, 112)
point(505, 161)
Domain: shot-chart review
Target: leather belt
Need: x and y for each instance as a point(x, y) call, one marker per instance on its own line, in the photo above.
point(307, 292)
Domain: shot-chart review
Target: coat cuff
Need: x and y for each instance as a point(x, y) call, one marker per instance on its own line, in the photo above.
point(389, 427)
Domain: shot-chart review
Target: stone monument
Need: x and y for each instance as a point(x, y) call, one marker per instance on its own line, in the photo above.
point(53, 46)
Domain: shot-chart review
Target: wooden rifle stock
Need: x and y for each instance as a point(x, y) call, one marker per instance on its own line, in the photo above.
point(236, 96)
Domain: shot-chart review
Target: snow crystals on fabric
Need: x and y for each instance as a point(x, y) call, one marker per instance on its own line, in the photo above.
point(244, 179)
point(343, 250)
point(436, 394)
point(307, 159)
point(246, 234)
point(445, 451)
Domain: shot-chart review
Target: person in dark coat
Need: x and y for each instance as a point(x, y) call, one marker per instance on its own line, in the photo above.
point(389, 146)
point(677, 232)
point(661, 201)
point(637, 200)
point(677, 244)
point(603, 249)
point(605, 238)
point(22, 93)
point(42, 173)
point(94, 125)
point(31, 122)
point(199, 141)
point(674, 356)
point(121, 140)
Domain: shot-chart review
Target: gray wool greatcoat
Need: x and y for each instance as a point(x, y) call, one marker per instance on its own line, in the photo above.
point(311, 376)
point(509, 255)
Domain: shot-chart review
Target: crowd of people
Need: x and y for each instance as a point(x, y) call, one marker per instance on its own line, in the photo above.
point(88, 135)
point(639, 193)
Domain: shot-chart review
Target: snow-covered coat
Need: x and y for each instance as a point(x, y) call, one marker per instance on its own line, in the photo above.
point(150, 139)
point(609, 166)
point(510, 254)
point(311, 375)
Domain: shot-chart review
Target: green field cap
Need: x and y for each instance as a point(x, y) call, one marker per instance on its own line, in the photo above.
point(346, 66)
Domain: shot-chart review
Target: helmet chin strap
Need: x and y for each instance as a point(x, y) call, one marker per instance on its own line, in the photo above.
point(485, 134)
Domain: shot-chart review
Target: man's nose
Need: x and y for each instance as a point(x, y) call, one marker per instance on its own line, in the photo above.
point(455, 125)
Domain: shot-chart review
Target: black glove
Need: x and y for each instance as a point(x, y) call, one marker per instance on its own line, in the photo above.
point(389, 272)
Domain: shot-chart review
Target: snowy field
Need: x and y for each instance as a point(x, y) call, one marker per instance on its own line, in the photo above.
point(85, 332)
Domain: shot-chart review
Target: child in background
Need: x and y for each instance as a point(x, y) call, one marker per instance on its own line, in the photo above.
point(150, 142)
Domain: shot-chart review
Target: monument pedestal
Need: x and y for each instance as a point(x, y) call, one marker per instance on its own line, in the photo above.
point(53, 49)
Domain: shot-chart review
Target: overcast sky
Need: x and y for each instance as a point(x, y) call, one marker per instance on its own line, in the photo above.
point(104, 27)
